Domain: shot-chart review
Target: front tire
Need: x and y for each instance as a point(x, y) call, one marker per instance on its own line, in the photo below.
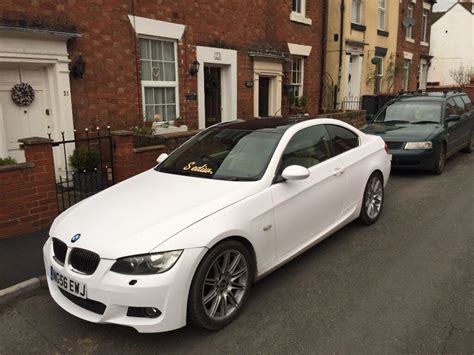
point(221, 285)
point(440, 161)
point(470, 145)
point(373, 199)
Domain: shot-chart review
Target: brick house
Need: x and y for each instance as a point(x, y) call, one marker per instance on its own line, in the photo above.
point(413, 48)
point(203, 61)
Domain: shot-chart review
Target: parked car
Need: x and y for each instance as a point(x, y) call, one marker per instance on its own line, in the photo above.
point(423, 130)
point(186, 240)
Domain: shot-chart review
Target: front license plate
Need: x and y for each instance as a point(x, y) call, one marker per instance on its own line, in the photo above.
point(72, 286)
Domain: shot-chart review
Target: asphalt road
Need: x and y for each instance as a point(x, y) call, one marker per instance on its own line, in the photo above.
point(405, 284)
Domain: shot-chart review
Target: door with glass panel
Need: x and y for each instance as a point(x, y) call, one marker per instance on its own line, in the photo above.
point(212, 93)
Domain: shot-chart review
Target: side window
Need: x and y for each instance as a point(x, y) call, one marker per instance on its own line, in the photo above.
point(342, 139)
point(308, 147)
point(467, 101)
point(460, 106)
point(450, 108)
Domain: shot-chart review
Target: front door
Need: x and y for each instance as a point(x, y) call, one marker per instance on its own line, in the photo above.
point(23, 121)
point(263, 94)
point(305, 209)
point(212, 88)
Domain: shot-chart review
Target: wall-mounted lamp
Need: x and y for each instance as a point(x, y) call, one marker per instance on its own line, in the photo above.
point(194, 68)
point(79, 68)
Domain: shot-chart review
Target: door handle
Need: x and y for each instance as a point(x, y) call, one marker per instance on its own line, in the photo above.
point(338, 171)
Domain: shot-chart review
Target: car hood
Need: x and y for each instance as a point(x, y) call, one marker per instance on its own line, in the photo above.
point(401, 132)
point(137, 215)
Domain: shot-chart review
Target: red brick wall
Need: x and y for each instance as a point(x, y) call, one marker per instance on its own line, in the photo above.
point(129, 161)
point(27, 192)
point(110, 90)
point(416, 48)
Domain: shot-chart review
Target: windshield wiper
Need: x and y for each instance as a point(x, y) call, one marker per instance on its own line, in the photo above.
point(176, 171)
point(424, 122)
point(234, 178)
point(394, 121)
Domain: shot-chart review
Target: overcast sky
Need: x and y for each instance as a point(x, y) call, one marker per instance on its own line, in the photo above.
point(443, 5)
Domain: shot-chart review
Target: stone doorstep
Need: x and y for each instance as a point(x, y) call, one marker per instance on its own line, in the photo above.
point(22, 290)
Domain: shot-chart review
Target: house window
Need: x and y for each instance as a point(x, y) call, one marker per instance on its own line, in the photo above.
point(406, 74)
point(424, 26)
point(357, 11)
point(409, 28)
point(381, 15)
point(296, 79)
point(296, 6)
point(159, 79)
point(378, 75)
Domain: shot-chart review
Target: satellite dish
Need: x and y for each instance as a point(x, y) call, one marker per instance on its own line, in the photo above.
point(406, 22)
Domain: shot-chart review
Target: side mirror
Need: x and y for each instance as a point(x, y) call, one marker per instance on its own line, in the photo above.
point(453, 118)
point(295, 172)
point(161, 158)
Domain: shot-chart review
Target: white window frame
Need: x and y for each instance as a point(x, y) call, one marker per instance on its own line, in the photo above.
point(162, 84)
point(379, 74)
point(382, 15)
point(300, 85)
point(300, 16)
point(409, 29)
point(424, 26)
point(406, 69)
point(358, 17)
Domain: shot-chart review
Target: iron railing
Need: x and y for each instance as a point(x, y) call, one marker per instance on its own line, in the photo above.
point(351, 103)
point(96, 152)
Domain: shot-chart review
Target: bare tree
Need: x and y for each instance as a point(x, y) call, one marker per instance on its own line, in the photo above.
point(461, 75)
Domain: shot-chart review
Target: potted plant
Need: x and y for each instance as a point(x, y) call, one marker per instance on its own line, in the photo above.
point(87, 176)
point(7, 161)
point(177, 122)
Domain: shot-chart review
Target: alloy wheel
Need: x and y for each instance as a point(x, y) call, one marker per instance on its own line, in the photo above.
point(225, 285)
point(373, 197)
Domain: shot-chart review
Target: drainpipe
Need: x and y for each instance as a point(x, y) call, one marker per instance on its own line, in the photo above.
point(341, 45)
point(324, 53)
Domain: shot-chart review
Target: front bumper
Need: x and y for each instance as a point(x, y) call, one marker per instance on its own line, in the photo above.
point(168, 292)
point(413, 159)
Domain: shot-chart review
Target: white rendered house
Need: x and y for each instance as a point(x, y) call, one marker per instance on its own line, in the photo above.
point(452, 42)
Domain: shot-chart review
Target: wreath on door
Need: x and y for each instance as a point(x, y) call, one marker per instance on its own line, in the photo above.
point(23, 94)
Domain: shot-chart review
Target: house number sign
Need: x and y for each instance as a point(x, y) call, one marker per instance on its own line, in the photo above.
point(217, 55)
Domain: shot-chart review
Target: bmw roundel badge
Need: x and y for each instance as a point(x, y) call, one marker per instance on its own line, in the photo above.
point(75, 238)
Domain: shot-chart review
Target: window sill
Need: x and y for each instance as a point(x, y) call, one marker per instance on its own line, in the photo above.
point(160, 128)
point(297, 17)
point(382, 33)
point(426, 44)
point(358, 27)
point(411, 40)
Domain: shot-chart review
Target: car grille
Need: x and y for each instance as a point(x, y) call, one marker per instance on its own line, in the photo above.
point(90, 305)
point(84, 261)
point(394, 145)
point(59, 249)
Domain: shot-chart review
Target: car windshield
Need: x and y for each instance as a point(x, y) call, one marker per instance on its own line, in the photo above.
point(411, 112)
point(225, 154)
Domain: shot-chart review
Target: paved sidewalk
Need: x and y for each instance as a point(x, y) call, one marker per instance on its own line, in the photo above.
point(21, 258)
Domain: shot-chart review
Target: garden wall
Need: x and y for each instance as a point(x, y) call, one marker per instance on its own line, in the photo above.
point(27, 190)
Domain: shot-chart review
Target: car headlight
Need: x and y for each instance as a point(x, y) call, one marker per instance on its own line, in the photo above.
point(147, 264)
point(418, 145)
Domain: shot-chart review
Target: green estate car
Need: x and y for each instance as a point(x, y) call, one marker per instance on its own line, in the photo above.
point(422, 130)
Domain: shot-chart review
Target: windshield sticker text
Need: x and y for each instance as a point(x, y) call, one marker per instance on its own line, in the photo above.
point(204, 169)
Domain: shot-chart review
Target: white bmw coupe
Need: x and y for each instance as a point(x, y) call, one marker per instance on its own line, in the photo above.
point(184, 241)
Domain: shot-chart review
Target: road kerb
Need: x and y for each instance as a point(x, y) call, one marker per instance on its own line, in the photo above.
point(22, 290)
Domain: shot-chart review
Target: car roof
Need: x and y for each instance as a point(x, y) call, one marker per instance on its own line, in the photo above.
point(274, 124)
point(429, 96)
